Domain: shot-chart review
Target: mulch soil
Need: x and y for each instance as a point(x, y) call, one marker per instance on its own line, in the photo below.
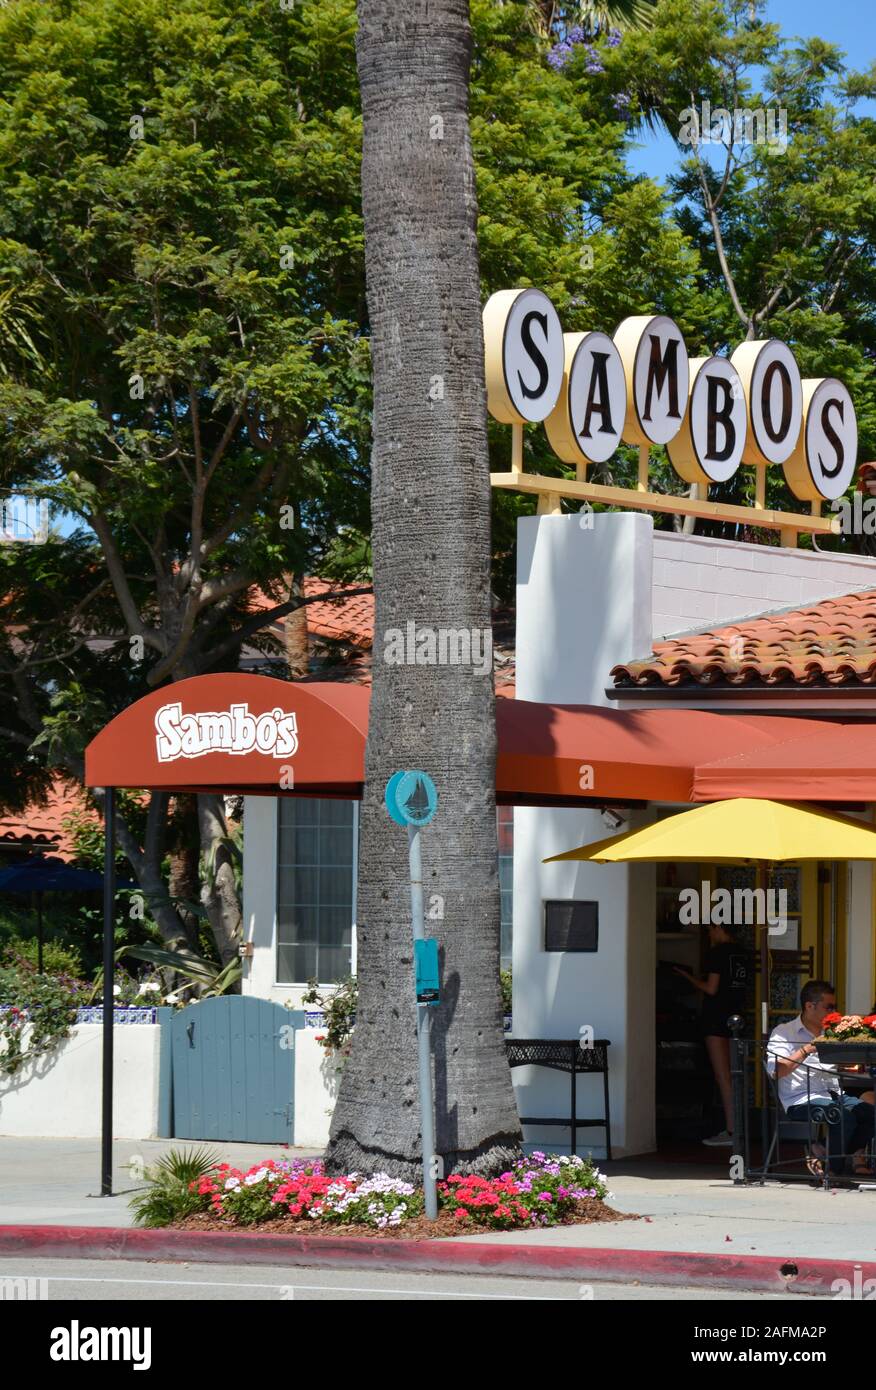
point(590, 1209)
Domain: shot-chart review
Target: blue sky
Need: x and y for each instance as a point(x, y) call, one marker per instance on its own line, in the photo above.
point(850, 25)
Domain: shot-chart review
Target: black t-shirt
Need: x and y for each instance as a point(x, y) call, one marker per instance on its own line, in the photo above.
point(732, 964)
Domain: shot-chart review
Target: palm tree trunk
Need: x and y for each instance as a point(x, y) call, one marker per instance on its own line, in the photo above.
point(295, 635)
point(431, 543)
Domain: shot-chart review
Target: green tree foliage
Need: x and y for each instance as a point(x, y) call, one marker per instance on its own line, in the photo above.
point(780, 209)
point(184, 344)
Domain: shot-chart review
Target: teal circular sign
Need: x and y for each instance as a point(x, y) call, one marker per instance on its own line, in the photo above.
point(411, 798)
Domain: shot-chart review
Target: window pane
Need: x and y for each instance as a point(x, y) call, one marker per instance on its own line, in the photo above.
point(314, 890)
point(299, 886)
point(335, 887)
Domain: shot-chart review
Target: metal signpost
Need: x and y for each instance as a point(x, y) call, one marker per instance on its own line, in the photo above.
point(412, 799)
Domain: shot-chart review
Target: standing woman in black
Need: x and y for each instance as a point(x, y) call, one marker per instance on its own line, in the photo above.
point(725, 991)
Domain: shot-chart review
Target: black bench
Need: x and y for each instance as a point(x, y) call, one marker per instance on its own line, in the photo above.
point(560, 1055)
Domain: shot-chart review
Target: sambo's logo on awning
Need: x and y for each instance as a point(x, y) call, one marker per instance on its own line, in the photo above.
point(234, 731)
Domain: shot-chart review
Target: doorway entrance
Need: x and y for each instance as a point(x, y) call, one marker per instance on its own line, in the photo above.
point(809, 941)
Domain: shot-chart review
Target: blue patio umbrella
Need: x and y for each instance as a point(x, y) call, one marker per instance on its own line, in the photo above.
point(49, 875)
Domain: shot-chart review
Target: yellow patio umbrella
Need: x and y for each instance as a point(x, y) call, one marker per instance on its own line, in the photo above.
point(746, 830)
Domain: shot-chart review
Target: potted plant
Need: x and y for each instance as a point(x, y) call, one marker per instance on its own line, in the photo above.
point(848, 1038)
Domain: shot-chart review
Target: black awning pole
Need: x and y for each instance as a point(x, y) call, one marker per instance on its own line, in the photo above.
point(109, 918)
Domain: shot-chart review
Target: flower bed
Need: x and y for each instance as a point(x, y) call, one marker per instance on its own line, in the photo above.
point(297, 1195)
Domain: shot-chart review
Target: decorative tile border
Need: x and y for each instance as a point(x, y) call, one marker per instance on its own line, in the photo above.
point(132, 1013)
point(314, 1018)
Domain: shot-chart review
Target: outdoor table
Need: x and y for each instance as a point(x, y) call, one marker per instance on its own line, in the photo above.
point(560, 1054)
point(841, 1054)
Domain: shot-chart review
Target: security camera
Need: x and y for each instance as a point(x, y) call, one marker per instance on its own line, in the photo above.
point(613, 819)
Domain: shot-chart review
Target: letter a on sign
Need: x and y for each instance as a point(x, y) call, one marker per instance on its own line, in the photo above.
point(523, 339)
point(588, 418)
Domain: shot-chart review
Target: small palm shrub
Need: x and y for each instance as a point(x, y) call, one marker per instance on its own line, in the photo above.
point(168, 1196)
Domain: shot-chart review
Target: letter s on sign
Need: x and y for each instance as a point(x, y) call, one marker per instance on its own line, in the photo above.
point(287, 735)
point(523, 341)
point(168, 743)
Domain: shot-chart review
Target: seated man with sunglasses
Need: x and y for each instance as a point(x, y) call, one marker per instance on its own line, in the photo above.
point(805, 1081)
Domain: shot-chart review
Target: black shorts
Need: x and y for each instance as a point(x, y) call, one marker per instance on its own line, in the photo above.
point(714, 1028)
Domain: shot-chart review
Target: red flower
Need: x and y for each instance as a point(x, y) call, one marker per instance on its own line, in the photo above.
point(830, 1019)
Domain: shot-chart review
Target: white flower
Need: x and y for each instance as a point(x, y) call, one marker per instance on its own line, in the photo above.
point(149, 989)
point(231, 1184)
point(252, 1178)
point(171, 998)
point(117, 989)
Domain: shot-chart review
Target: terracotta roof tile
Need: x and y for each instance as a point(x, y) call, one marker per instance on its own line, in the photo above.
point(342, 623)
point(831, 643)
point(346, 619)
point(41, 827)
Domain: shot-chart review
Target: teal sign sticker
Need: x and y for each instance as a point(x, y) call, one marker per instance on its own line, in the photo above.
point(411, 798)
point(426, 971)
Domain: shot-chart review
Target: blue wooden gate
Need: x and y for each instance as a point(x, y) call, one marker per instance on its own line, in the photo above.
point(233, 1070)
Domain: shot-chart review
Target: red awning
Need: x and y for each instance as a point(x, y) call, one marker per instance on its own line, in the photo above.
point(552, 752)
point(239, 732)
point(825, 761)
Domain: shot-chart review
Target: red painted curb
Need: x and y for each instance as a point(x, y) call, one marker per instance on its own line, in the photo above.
point(670, 1267)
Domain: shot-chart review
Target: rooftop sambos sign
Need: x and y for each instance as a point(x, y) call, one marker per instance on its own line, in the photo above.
point(713, 414)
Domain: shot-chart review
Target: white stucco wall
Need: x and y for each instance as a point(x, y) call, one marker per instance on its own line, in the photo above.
point(316, 1089)
point(59, 1095)
point(583, 600)
point(701, 583)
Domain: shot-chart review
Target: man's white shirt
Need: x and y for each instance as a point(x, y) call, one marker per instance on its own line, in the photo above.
point(795, 1089)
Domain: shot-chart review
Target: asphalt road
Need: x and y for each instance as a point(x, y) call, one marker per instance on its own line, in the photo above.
point(136, 1281)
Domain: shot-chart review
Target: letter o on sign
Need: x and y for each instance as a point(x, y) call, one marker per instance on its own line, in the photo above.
point(523, 343)
point(586, 423)
point(709, 446)
point(655, 362)
point(771, 379)
point(824, 462)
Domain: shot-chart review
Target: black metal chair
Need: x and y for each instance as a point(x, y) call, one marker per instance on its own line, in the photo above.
point(570, 1056)
point(793, 1131)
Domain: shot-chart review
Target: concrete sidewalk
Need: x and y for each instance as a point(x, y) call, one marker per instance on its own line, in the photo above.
point(56, 1182)
point(682, 1207)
